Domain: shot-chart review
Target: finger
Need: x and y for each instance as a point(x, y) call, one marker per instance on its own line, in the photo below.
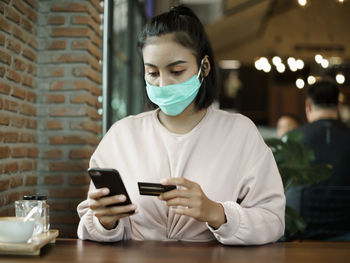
point(98, 193)
point(179, 181)
point(105, 201)
point(176, 193)
point(180, 201)
point(186, 212)
point(115, 210)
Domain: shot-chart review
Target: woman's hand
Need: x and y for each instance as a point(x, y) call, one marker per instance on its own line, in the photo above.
point(108, 216)
point(194, 202)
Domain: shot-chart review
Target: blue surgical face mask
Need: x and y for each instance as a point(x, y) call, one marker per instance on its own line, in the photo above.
point(174, 99)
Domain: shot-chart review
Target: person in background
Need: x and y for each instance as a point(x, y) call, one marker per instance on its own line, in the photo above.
point(285, 123)
point(228, 185)
point(328, 137)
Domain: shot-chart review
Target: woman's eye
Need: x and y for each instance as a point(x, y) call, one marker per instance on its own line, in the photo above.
point(152, 74)
point(177, 72)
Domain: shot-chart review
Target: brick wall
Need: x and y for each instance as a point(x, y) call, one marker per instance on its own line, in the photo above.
point(50, 82)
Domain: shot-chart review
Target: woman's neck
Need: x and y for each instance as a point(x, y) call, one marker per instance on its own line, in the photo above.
point(184, 122)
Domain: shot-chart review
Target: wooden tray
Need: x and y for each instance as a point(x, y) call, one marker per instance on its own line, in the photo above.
point(30, 248)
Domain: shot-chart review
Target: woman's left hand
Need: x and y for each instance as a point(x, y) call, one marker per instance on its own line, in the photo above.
point(194, 202)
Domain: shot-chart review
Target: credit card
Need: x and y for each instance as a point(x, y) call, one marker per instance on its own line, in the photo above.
point(154, 189)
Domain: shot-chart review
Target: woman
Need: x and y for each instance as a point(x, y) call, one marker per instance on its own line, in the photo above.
point(228, 185)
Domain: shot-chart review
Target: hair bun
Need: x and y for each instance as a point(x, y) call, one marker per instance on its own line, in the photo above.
point(183, 10)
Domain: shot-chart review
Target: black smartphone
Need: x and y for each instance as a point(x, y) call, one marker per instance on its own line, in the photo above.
point(109, 178)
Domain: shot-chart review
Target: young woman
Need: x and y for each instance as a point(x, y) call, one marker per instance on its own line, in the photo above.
point(228, 185)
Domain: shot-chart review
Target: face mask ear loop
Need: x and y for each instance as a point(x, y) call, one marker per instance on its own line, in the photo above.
point(200, 70)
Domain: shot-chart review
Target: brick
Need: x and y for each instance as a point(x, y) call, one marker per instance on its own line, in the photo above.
point(33, 152)
point(52, 154)
point(96, 40)
point(26, 166)
point(5, 25)
point(54, 179)
point(69, 7)
point(86, 45)
point(26, 137)
point(71, 32)
point(69, 139)
point(13, 75)
point(5, 152)
point(16, 181)
point(57, 72)
point(31, 180)
point(27, 25)
point(5, 88)
point(32, 3)
point(4, 185)
point(2, 72)
point(4, 119)
point(31, 96)
point(2, 8)
point(19, 152)
point(10, 105)
point(28, 81)
point(84, 98)
point(18, 33)
point(31, 14)
point(69, 166)
point(28, 109)
point(14, 45)
point(97, 5)
point(68, 111)
point(31, 124)
point(54, 125)
point(31, 69)
point(20, 64)
point(87, 20)
point(19, 4)
point(58, 45)
point(2, 39)
point(73, 193)
point(55, 98)
point(29, 54)
point(87, 72)
point(1, 105)
point(5, 58)
point(79, 180)
point(10, 137)
point(17, 121)
point(56, 20)
point(18, 93)
point(13, 197)
point(76, 85)
point(11, 167)
point(80, 153)
point(70, 58)
point(33, 43)
point(12, 14)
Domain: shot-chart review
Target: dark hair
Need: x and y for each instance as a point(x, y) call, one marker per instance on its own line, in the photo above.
point(188, 32)
point(324, 93)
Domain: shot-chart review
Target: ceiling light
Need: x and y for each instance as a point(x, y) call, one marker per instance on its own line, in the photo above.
point(258, 64)
point(340, 78)
point(300, 83)
point(302, 2)
point(324, 63)
point(299, 64)
point(311, 80)
point(276, 60)
point(281, 68)
point(318, 58)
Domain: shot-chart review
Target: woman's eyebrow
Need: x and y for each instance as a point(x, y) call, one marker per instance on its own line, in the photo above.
point(169, 65)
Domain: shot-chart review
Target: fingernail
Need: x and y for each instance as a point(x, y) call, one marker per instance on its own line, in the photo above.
point(122, 198)
point(133, 207)
point(160, 197)
point(163, 181)
point(105, 191)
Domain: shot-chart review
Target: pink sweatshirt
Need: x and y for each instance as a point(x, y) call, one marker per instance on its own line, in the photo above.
point(224, 154)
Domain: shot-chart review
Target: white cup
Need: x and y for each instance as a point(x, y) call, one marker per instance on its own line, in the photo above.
point(15, 230)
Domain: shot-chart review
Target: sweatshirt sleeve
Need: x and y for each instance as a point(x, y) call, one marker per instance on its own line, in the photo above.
point(259, 217)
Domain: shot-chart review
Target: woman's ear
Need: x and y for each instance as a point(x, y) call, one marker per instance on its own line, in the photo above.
point(206, 66)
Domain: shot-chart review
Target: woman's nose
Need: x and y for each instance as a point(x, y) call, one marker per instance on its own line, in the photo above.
point(164, 81)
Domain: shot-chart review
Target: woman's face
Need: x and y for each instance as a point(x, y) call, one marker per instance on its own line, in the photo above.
point(167, 62)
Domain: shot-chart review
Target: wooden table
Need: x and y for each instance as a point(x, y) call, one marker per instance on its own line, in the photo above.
point(72, 250)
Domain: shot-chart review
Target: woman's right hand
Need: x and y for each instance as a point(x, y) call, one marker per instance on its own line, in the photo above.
point(108, 216)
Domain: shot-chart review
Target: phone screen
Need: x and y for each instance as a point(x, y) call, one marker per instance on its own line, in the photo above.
point(109, 178)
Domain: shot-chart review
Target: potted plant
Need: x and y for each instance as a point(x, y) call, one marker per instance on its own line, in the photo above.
point(293, 160)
